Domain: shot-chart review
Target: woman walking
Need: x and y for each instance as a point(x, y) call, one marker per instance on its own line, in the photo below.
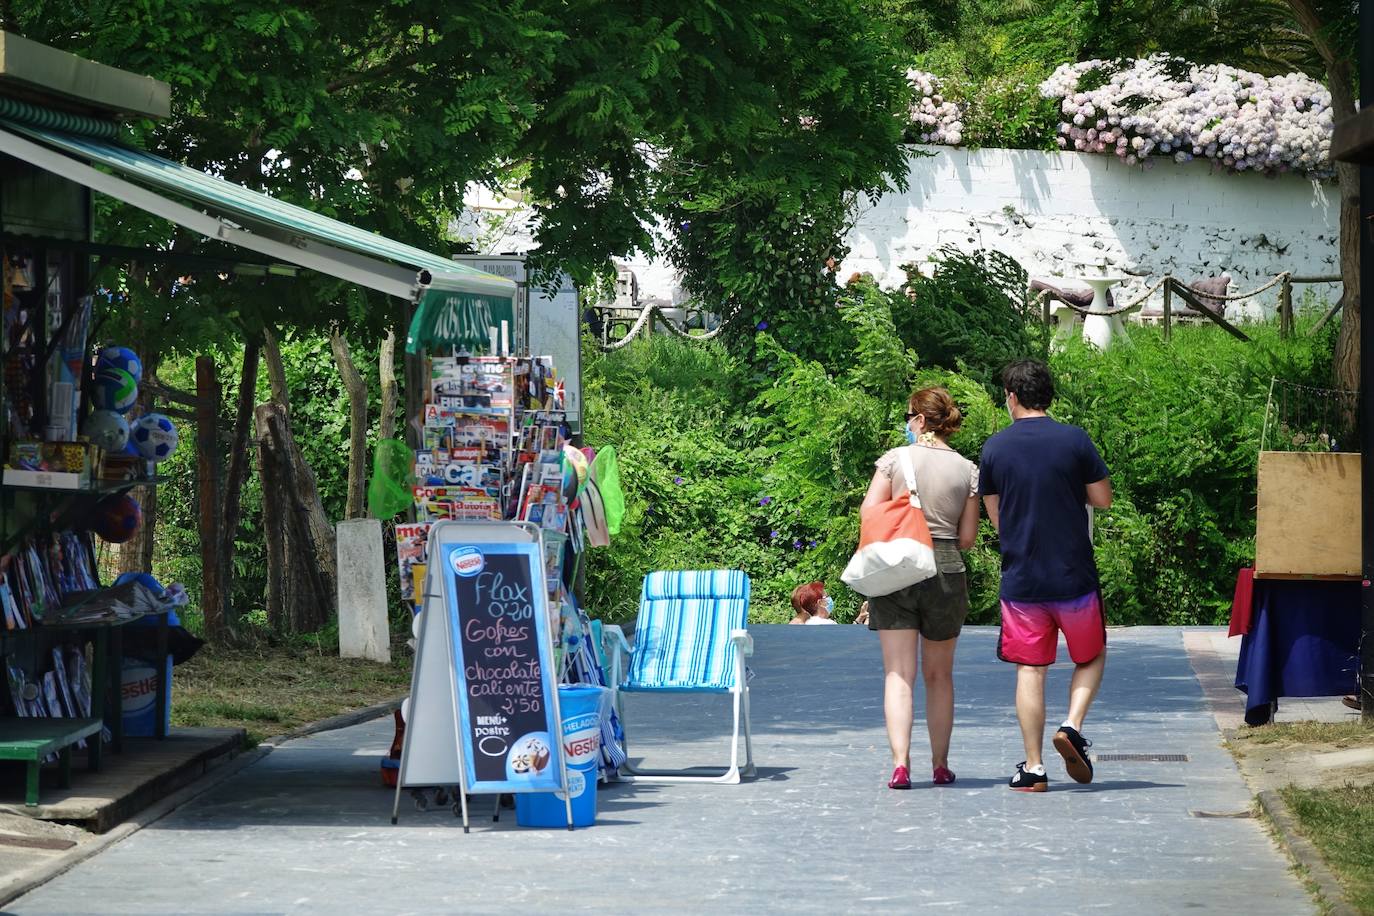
point(922, 622)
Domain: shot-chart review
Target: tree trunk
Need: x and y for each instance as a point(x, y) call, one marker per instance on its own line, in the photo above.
point(238, 471)
point(276, 372)
point(357, 424)
point(213, 599)
point(387, 369)
point(1346, 368)
point(302, 572)
point(1340, 80)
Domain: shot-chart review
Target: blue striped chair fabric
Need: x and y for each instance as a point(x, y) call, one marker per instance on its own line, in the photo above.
point(682, 635)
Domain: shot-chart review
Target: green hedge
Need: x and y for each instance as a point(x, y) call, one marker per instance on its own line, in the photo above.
point(762, 467)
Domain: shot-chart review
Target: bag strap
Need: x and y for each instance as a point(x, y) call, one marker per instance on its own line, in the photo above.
point(910, 474)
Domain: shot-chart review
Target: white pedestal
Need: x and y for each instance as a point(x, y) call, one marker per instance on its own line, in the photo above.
point(363, 631)
point(1099, 329)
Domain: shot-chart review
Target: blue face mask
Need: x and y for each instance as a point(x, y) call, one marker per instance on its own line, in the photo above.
point(829, 604)
point(910, 436)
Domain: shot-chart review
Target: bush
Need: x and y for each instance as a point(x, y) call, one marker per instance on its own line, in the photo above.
point(761, 466)
point(726, 465)
point(971, 316)
point(1179, 426)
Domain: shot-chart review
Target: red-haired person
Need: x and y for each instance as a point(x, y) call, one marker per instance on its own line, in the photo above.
point(919, 625)
point(807, 600)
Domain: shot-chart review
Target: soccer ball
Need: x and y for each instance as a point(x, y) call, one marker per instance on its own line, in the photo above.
point(107, 429)
point(120, 358)
point(155, 437)
point(115, 389)
point(117, 518)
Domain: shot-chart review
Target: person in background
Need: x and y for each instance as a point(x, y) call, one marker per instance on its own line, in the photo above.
point(821, 615)
point(921, 623)
point(1038, 477)
point(805, 598)
point(862, 616)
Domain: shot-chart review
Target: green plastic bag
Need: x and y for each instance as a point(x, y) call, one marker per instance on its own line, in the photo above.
point(607, 473)
point(388, 492)
point(603, 502)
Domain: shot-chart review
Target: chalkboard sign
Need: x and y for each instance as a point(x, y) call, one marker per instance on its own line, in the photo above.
point(508, 722)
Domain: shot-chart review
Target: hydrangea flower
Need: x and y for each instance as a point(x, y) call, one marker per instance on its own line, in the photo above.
point(1242, 120)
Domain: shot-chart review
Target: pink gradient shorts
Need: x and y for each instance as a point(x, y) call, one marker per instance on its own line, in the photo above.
point(1030, 630)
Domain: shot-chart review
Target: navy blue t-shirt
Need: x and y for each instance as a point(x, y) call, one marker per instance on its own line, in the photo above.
point(1039, 470)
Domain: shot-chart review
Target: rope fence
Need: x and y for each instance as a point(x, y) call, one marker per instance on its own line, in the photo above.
point(1201, 307)
point(1201, 302)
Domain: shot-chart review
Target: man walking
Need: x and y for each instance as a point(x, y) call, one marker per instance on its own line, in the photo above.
point(1035, 478)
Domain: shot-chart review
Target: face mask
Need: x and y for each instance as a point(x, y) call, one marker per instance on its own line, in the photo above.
point(829, 604)
point(910, 436)
point(1011, 415)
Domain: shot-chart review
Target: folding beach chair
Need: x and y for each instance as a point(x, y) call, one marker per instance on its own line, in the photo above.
point(690, 637)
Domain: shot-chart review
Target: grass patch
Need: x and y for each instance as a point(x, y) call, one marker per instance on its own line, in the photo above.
point(268, 690)
point(1336, 734)
point(1340, 823)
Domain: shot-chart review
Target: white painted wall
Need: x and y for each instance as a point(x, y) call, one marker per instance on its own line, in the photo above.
point(1062, 213)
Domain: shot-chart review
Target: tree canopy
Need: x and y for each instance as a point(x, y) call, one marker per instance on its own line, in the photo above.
point(611, 117)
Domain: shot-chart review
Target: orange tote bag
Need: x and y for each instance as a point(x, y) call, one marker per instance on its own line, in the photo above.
point(895, 549)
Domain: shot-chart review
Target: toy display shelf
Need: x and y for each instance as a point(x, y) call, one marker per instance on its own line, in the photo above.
point(68, 507)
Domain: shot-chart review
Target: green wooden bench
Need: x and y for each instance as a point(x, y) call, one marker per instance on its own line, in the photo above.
point(30, 740)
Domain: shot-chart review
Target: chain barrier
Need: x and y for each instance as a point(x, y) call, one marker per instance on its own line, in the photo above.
point(1143, 297)
point(650, 309)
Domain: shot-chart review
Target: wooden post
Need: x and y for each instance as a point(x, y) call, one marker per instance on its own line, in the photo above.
point(237, 472)
point(1168, 306)
point(1286, 307)
point(208, 492)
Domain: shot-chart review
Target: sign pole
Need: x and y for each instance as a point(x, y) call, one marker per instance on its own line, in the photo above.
point(431, 569)
point(414, 699)
point(558, 711)
point(1367, 378)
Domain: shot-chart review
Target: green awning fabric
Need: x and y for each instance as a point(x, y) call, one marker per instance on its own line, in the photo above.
point(454, 320)
point(320, 242)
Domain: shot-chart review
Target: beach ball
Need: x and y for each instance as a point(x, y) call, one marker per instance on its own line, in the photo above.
point(117, 519)
point(155, 437)
point(120, 358)
point(115, 389)
point(107, 429)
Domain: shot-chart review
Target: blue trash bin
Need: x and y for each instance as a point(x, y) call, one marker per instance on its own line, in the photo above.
point(581, 706)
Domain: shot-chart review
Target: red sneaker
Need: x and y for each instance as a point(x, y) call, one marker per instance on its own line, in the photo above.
point(901, 779)
point(943, 776)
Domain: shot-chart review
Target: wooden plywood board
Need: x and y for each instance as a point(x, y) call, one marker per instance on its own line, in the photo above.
point(1308, 515)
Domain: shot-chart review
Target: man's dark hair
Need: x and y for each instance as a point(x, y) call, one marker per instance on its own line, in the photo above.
point(1030, 381)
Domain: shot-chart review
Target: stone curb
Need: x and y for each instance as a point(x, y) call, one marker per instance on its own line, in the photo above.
point(15, 886)
point(1304, 853)
point(333, 723)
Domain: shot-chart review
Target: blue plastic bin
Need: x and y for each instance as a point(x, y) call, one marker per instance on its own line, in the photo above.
point(581, 706)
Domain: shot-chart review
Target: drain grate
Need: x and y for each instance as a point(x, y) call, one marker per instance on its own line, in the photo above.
point(1141, 758)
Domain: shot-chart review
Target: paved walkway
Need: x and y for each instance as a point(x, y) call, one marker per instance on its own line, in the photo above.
point(306, 829)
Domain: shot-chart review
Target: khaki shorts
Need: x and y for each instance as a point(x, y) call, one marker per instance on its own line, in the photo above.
point(936, 607)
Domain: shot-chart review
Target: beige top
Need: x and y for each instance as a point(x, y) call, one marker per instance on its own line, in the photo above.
point(945, 480)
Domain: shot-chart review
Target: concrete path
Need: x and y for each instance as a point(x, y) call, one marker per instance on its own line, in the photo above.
point(306, 829)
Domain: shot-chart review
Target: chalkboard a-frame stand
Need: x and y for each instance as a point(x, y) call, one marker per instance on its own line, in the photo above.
point(483, 713)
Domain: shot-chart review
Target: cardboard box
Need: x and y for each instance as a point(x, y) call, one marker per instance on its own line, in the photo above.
point(1307, 519)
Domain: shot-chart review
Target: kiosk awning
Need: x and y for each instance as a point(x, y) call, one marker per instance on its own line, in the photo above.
point(232, 213)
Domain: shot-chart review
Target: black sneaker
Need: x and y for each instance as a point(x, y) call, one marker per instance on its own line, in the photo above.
point(1023, 780)
point(1073, 747)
